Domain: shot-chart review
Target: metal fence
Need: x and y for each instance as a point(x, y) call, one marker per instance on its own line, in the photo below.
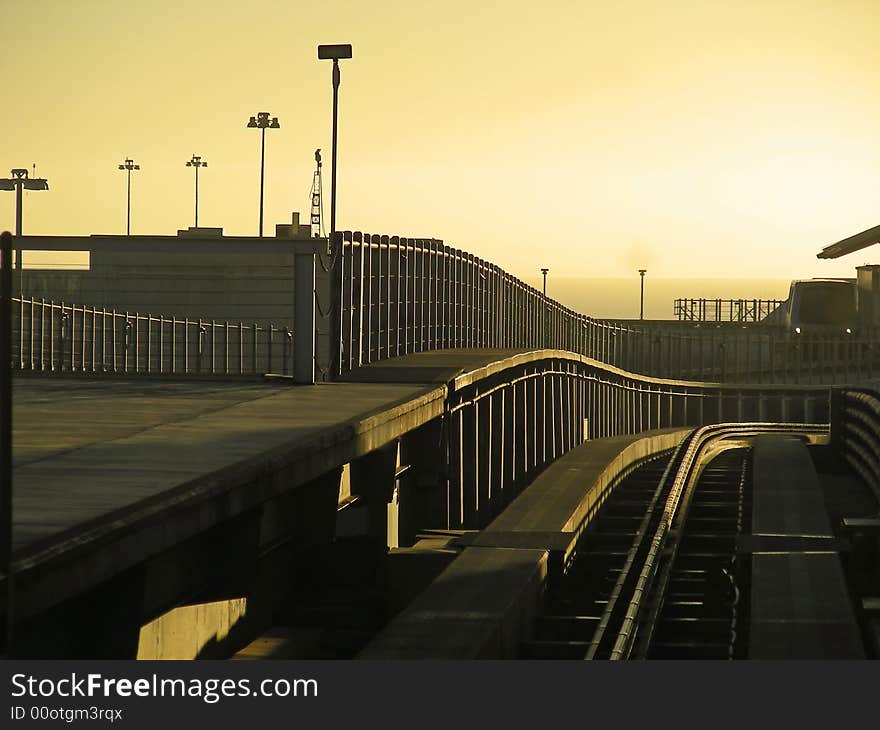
point(59, 337)
point(855, 432)
point(503, 428)
point(394, 296)
point(724, 310)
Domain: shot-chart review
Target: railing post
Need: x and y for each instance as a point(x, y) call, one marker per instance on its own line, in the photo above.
point(304, 318)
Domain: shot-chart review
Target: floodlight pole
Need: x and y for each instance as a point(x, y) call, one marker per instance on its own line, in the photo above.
point(128, 166)
point(198, 162)
point(544, 272)
point(19, 182)
point(262, 122)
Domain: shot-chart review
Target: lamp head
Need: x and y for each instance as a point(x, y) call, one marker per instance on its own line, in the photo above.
point(334, 51)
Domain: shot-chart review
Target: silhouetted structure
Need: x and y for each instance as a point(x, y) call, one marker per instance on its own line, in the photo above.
point(262, 122)
point(197, 162)
point(335, 52)
point(128, 166)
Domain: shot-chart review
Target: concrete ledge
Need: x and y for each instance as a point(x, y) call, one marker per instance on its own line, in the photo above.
point(553, 511)
point(484, 603)
point(66, 563)
point(478, 608)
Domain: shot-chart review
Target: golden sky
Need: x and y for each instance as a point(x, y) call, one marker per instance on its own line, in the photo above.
point(696, 138)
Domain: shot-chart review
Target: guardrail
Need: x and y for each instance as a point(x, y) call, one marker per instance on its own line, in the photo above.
point(71, 338)
point(855, 432)
point(534, 407)
point(394, 296)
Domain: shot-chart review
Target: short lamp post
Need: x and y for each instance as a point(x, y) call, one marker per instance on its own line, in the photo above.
point(642, 273)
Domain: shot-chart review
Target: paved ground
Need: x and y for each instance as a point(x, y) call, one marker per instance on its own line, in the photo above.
point(85, 448)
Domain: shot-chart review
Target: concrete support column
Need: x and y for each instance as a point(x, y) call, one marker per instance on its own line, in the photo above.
point(304, 318)
point(508, 455)
point(469, 449)
point(422, 498)
point(497, 450)
point(482, 459)
point(373, 480)
point(521, 441)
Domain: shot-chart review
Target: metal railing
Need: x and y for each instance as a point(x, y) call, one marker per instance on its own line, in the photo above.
point(72, 338)
point(394, 296)
point(855, 432)
point(724, 310)
point(536, 406)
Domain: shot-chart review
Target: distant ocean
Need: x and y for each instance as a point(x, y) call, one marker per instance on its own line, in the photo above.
point(619, 298)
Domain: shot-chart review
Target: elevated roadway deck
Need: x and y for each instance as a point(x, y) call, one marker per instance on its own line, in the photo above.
point(108, 471)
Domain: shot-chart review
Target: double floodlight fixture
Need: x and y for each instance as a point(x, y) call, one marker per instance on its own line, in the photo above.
point(20, 177)
point(129, 165)
point(262, 121)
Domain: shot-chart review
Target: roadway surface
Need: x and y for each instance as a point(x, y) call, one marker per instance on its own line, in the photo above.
point(88, 448)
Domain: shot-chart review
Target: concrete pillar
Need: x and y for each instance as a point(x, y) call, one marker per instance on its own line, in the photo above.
point(482, 458)
point(422, 496)
point(468, 454)
point(304, 318)
point(521, 442)
point(497, 453)
point(373, 480)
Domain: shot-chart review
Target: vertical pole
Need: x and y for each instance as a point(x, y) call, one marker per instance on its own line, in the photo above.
point(197, 197)
point(6, 433)
point(262, 172)
point(19, 183)
point(333, 165)
point(128, 207)
point(642, 296)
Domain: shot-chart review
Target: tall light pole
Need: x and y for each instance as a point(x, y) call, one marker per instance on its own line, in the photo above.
point(262, 122)
point(197, 162)
point(642, 298)
point(128, 166)
point(544, 272)
point(19, 182)
point(335, 52)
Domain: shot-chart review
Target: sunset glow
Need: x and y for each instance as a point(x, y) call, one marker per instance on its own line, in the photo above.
point(698, 139)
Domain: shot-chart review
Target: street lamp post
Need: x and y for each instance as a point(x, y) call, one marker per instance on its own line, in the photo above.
point(544, 272)
point(198, 162)
point(335, 52)
point(20, 182)
point(262, 122)
point(642, 298)
point(128, 166)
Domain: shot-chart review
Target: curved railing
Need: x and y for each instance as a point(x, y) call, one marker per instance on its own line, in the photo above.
point(393, 296)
